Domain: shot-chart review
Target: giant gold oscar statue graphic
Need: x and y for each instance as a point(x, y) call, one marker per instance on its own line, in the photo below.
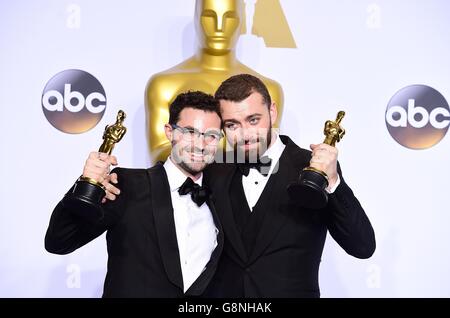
point(86, 196)
point(218, 26)
point(309, 191)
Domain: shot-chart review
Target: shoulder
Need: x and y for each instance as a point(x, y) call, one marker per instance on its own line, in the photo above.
point(137, 182)
point(128, 172)
point(299, 156)
point(132, 178)
point(215, 174)
point(218, 169)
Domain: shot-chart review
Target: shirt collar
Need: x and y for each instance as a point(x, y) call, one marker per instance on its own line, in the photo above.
point(175, 176)
point(274, 152)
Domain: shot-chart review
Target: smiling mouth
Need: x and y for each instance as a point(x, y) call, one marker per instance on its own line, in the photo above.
point(197, 157)
point(248, 144)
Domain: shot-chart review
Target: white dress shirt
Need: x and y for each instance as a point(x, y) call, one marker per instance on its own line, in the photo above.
point(194, 226)
point(255, 182)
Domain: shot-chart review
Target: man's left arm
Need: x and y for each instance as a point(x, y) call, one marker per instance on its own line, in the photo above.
point(348, 223)
point(346, 220)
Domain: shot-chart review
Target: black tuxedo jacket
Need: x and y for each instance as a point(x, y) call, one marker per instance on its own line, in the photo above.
point(284, 261)
point(143, 257)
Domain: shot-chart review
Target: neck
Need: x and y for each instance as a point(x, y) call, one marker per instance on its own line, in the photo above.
point(194, 177)
point(218, 62)
point(273, 138)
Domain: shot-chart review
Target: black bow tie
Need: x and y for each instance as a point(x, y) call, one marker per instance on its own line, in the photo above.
point(262, 165)
point(198, 194)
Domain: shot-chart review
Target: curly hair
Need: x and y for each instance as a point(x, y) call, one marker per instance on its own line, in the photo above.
point(193, 99)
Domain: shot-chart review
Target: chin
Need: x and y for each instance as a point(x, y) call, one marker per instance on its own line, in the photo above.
point(196, 167)
point(222, 47)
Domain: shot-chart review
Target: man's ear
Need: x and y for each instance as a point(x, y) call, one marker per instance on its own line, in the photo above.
point(273, 112)
point(169, 132)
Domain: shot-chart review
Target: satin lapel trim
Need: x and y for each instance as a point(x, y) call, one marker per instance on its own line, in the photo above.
point(165, 224)
point(228, 222)
point(274, 195)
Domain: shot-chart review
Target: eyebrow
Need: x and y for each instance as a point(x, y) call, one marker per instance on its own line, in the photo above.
point(232, 120)
point(253, 115)
point(210, 130)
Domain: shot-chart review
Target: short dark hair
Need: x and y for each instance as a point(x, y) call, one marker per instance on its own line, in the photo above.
point(193, 99)
point(239, 87)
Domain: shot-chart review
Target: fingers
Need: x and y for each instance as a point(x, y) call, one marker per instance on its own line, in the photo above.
point(113, 178)
point(324, 150)
point(95, 173)
point(103, 157)
point(113, 160)
point(322, 147)
point(110, 196)
point(110, 188)
point(97, 166)
point(111, 191)
point(324, 158)
point(313, 146)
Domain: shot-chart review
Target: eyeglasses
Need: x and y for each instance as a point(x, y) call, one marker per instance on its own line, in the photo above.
point(210, 137)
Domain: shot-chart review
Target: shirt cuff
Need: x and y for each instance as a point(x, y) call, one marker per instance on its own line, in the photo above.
point(331, 190)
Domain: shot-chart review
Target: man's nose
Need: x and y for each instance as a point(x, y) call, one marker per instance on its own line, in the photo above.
point(199, 141)
point(248, 132)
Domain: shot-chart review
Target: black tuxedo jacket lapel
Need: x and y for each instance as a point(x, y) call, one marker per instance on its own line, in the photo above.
point(226, 214)
point(165, 223)
point(273, 195)
point(274, 200)
point(203, 280)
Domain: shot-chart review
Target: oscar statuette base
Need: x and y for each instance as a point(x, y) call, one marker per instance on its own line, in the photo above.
point(309, 192)
point(86, 199)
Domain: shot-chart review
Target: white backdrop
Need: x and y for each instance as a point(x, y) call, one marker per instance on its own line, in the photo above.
point(350, 54)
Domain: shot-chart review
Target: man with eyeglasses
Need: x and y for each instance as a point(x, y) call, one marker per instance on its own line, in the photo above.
point(273, 247)
point(163, 236)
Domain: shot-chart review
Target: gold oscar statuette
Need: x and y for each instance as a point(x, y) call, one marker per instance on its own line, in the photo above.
point(309, 191)
point(86, 195)
point(218, 26)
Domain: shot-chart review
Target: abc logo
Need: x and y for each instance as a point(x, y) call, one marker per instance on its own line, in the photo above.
point(73, 101)
point(418, 117)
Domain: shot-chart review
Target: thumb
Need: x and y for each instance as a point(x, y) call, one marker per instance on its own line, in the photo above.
point(113, 160)
point(313, 146)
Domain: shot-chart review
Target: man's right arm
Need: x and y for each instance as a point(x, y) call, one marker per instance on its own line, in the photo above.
point(67, 231)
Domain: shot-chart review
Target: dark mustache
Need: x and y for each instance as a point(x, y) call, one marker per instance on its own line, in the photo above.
point(247, 141)
point(197, 150)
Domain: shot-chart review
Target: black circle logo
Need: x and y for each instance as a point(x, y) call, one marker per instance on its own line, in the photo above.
point(417, 117)
point(73, 101)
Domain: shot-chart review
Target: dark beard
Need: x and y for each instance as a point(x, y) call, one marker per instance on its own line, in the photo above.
point(183, 165)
